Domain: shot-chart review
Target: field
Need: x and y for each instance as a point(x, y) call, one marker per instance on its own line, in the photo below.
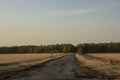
point(105, 64)
point(110, 56)
point(6, 59)
point(93, 66)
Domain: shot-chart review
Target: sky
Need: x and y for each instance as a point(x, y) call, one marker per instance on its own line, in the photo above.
point(36, 22)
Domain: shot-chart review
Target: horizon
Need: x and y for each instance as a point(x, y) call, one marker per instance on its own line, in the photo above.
point(60, 44)
point(39, 22)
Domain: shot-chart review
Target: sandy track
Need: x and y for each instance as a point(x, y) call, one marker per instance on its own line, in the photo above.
point(60, 69)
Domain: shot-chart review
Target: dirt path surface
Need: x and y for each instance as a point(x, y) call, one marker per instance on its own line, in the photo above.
point(60, 69)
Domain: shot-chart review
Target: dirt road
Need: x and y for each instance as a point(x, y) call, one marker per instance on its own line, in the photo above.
point(60, 69)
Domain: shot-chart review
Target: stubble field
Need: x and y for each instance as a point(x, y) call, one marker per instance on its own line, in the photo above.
point(6, 59)
point(110, 56)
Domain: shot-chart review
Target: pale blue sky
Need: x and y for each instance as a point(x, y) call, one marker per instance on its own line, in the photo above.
point(36, 22)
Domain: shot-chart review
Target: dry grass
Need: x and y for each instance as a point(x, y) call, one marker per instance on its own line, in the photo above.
point(21, 58)
point(109, 64)
point(89, 62)
point(110, 56)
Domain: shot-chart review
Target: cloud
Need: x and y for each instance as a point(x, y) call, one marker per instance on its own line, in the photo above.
point(77, 12)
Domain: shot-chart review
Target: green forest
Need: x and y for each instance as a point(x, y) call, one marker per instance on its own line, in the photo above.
point(113, 47)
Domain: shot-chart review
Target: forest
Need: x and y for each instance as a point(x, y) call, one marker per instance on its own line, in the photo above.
point(112, 47)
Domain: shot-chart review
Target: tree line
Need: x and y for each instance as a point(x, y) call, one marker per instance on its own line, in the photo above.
point(58, 48)
point(113, 47)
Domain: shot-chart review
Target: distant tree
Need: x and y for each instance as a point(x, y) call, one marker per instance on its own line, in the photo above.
point(80, 51)
point(65, 49)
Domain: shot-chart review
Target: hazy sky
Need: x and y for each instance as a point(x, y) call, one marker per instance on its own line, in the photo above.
point(36, 22)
